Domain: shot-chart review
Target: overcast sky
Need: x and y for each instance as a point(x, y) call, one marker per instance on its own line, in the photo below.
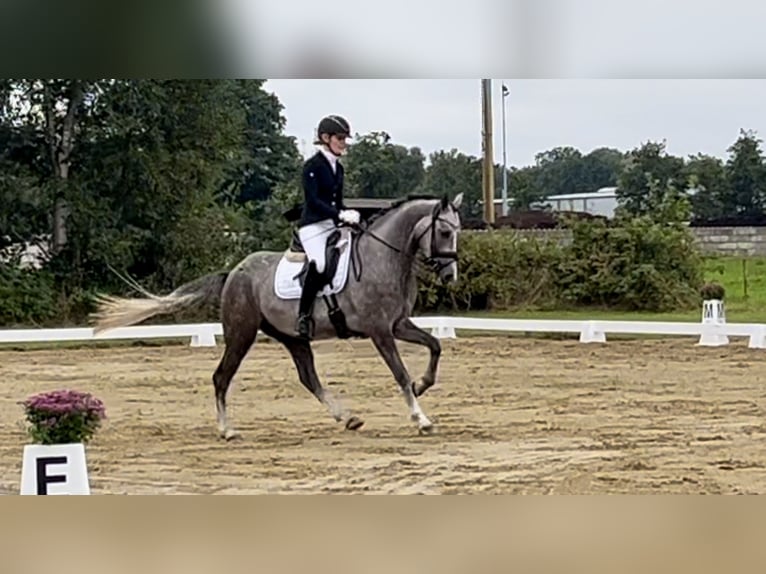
point(691, 115)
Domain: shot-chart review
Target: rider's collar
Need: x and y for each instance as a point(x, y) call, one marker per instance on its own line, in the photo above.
point(331, 157)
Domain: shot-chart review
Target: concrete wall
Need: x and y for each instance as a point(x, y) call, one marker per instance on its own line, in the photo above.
point(732, 240)
point(749, 241)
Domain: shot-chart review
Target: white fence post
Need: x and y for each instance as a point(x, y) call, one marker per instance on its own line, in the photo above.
point(443, 330)
point(713, 319)
point(758, 338)
point(590, 333)
point(205, 338)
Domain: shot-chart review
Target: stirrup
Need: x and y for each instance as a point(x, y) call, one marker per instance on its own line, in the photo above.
point(304, 327)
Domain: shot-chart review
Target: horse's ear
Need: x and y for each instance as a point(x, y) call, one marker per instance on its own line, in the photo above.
point(458, 201)
point(445, 201)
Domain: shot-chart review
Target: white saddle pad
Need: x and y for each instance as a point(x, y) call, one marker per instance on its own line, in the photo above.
point(286, 287)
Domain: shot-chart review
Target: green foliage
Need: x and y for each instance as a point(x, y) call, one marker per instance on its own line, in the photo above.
point(566, 170)
point(640, 264)
point(376, 167)
point(451, 173)
point(708, 176)
point(270, 157)
point(497, 270)
point(558, 170)
point(746, 193)
point(602, 167)
point(27, 296)
point(149, 198)
point(522, 187)
point(162, 178)
point(671, 206)
point(744, 279)
point(648, 174)
point(24, 212)
point(270, 230)
point(196, 244)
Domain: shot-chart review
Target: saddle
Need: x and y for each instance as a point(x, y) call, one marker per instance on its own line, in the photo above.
point(296, 254)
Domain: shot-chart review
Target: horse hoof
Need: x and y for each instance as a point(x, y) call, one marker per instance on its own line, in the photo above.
point(421, 387)
point(426, 430)
point(354, 423)
point(229, 435)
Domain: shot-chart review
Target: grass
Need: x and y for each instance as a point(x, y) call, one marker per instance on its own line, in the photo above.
point(743, 277)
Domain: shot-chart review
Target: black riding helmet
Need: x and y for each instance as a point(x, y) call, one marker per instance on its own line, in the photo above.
point(333, 125)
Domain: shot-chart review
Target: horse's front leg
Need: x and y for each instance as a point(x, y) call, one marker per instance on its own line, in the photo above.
point(406, 330)
point(386, 346)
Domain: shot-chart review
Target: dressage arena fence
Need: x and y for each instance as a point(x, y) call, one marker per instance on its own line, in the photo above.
point(712, 330)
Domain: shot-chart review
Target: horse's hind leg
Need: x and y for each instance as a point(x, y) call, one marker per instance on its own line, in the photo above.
point(407, 331)
point(237, 346)
point(303, 357)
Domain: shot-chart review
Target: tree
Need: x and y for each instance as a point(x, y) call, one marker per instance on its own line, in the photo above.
point(706, 176)
point(25, 216)
point(601, 168)
point(151, 175)
point(647, 176)
point(152, 158)
point(566, 170)
point(559, 171)
point(453, 172)
point(53, 110)
point(746, 175)
point(525, 189)
point(271, 157)
point(378, 168)
point(270, 230)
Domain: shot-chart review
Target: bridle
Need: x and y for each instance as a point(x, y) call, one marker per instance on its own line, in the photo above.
point(436, 260)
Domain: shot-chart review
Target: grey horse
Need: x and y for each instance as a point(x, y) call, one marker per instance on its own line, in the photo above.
point(376, 302)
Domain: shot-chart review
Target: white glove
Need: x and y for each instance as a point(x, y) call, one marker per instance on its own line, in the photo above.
point(349, 216)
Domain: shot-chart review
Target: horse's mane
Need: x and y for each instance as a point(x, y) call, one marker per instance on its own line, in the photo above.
point(396, 204)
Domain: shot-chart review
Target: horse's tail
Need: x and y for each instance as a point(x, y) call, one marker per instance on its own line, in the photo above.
point(113, 312)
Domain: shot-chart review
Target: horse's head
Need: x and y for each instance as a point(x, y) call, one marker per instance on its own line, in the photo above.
point(437, 235)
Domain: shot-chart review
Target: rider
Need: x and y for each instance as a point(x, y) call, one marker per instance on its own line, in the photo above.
point(323, 209)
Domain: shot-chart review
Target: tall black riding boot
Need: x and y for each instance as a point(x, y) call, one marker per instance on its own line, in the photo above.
point(311, 286)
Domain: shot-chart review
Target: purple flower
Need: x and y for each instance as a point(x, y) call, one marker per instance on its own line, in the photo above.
point(63, 416)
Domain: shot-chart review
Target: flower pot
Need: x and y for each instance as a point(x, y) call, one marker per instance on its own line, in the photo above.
point(54, 469)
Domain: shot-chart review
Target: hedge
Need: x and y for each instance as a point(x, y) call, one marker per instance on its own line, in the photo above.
point(638, 265)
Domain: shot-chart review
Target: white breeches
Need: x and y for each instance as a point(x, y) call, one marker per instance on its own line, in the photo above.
point(314, 240)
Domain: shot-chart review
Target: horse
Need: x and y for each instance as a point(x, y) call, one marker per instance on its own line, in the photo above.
point(374, 302)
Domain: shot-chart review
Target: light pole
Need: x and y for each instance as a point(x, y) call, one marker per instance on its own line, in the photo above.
point(488, 169)
point(505, 167)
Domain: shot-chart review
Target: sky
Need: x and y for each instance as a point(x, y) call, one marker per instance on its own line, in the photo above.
point(691, 115)
point(582, 73)
point(512, 38)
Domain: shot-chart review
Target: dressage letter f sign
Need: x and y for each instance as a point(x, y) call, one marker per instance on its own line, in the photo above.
point(43, 478)
point(54, 469)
